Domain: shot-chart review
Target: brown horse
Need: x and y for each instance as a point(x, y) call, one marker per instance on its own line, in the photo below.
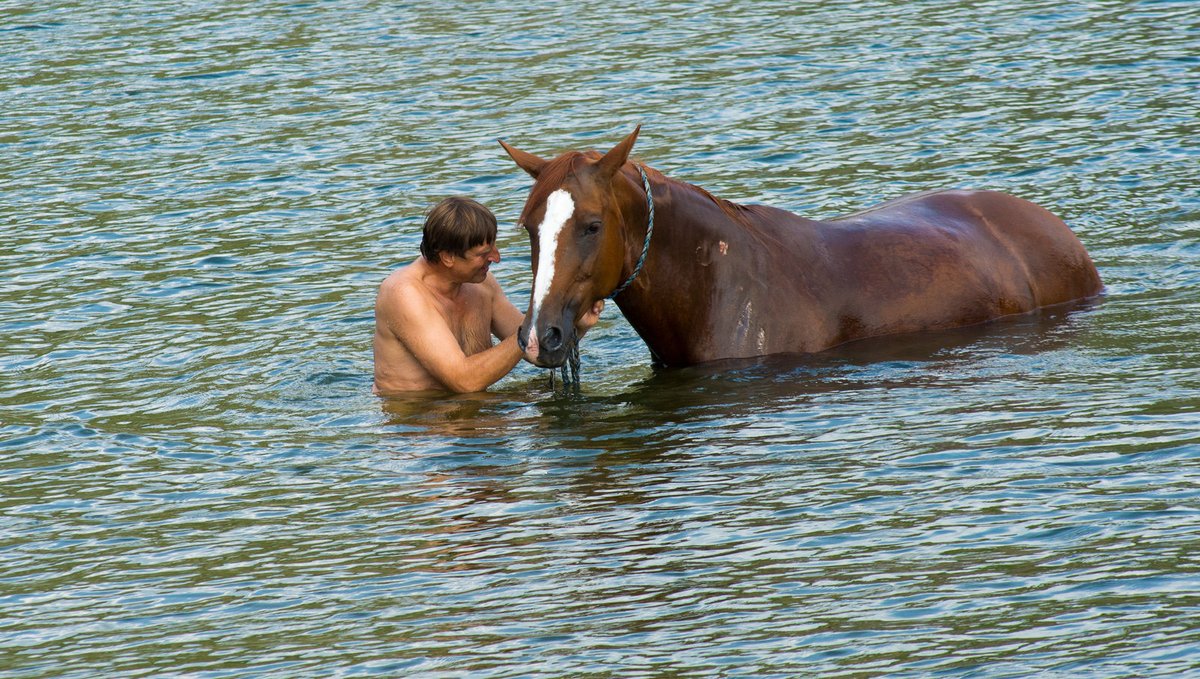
point(700, 278)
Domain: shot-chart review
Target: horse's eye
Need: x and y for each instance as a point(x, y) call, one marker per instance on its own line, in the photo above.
point(592, 228)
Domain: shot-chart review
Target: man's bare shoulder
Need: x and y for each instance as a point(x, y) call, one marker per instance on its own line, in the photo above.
point(481, 295)
point(404, 285)
point(403, 299)
point(491, 285)
point(405, 277)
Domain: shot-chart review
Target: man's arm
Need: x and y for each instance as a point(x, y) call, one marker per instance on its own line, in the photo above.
point(506, 318)
point(423, 331)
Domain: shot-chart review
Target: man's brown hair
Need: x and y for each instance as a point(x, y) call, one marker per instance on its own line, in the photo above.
point(456, 225)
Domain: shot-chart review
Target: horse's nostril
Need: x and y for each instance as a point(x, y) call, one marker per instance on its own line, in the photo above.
point(521, 340)
point(552, 339)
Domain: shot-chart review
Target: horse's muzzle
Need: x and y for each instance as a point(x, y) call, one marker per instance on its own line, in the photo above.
point(548, 349)
point(551, 339)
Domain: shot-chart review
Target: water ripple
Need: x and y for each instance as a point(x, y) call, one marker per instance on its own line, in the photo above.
point(201, 200)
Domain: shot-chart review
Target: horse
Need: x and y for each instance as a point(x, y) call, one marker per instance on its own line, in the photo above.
point(702, 279)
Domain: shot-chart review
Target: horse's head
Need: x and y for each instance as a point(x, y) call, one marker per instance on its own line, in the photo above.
point(576, 224)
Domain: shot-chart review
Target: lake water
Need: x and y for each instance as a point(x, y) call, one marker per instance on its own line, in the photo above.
point(199, 200)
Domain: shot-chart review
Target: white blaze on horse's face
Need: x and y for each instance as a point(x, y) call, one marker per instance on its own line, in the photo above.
point(559, 208)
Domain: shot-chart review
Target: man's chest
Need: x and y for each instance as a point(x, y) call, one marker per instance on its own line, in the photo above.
point(469, 320)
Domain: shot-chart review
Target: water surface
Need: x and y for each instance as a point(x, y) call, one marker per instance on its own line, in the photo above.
point(200, 200)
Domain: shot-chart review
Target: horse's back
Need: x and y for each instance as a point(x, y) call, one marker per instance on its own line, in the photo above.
point(1054, 261)
point(1016, 240)
point(938, 260)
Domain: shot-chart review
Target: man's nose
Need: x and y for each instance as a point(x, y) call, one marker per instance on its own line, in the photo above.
point(494, 255)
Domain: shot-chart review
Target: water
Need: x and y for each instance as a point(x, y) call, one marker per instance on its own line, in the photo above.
point(199, 200)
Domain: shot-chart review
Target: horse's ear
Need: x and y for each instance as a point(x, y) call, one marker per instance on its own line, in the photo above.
point(615, 158)
point(526, 161)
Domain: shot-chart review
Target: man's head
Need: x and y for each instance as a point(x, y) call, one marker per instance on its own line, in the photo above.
point(461, 234)
point(456, 225)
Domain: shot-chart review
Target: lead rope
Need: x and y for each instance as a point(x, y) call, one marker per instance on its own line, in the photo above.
point(637, 269)
point(570, 370)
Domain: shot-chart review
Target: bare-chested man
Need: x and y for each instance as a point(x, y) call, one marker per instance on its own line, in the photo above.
point(435, 318)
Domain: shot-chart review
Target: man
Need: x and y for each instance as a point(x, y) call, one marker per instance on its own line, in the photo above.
point(435, 317)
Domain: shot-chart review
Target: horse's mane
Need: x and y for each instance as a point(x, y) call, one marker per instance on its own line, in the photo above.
point(736, 212)
point(556, 172)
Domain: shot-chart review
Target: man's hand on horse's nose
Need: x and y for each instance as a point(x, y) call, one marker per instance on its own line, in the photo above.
point(590, 318)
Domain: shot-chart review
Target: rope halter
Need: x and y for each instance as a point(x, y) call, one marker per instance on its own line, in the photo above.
point(637, 269)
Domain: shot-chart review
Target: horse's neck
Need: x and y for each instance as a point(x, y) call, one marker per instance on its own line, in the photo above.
point(670, 303)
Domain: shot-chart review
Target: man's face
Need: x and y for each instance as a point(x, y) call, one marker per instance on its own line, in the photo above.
point(474, 263)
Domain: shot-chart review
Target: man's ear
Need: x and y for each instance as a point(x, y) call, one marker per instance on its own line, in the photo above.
point(445, 259)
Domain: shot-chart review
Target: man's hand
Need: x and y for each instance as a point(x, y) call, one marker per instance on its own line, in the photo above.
point(589, 319)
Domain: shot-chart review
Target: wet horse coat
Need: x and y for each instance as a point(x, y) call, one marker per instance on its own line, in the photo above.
point(723, 280)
